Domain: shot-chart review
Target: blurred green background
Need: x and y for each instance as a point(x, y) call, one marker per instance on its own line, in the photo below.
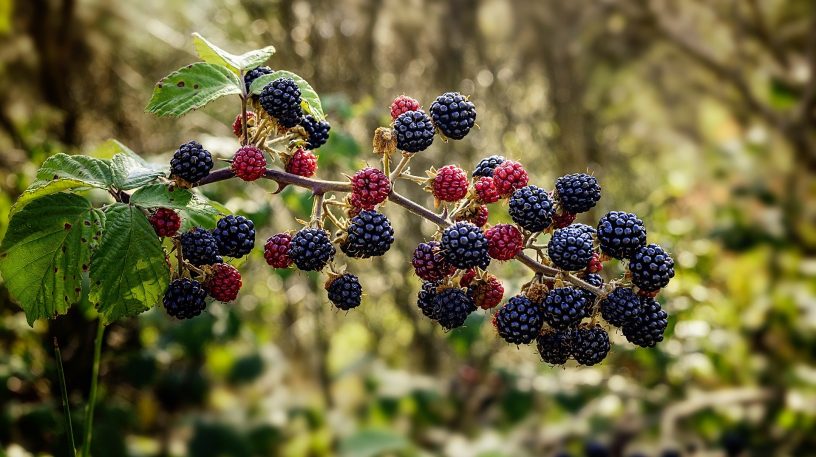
point(698, 115)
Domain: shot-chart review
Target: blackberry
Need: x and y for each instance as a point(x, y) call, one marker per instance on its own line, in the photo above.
point(465, 246)
point(486, 292)
point(185, 298)
point(310, 249)
point(450, 184)
point(425, 298)
point(369, 235)
point(254, 74)
point(224, 282)
point(369, 187)
point(620, 234)
point(235, 236)
point(647, 329)
point(520, 320)
point(475, 214)
point(620, 306)
point(276, 250)
point(531, 208)
point(596, 449)
point(429, 263)
point(317, 131)
point(651, 267)
point(302, 163)
point(453, 114)
point(509, 176)
point(248, 163)
point(594, 279)
point(570, 248)
point(590, 345)
point(191, 162)
point(486, 166)
point(504, 241)
point(485, 190)
point(403, 104)
point(414, 130)
point(584, 228)
point(345, 291)
point(554, 347)
point(165, 222)
point(565, 307)
point(451, 307)
point(281, 100)
point(578, 192)
point(198, 246)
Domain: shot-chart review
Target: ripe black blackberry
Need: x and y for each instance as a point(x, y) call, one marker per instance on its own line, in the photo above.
point(453, 114)
point(647, 329)
point(451, 307)
point(531, 208)
point(369, 235)
point(235, 236)
point(317, 131)
point(254, 74)
point(578, 192)
point(570, 248)
point(198, 246)
point(345, 291)
point(620, 234)
point(620, 306)
point(465, 246)
point(520, 320)
point(414, 130)
point(565, 307)
point(651, 267)
point(311, 249)
point(554, 347)
point(185, 298)
point(429, 263)
point(191, 162)
point(281, 100)
point(590, 345)
point(595, 280)
point(486, 166)
point(425, 298)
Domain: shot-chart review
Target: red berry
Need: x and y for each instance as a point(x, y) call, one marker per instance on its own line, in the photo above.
point(485, 189)
point(563, 219)
point(165, 222)
point(276, 250)
point(504, 241)
point(486, 292)
point(403, 104)
point(467, 278)
point(648, 293)
point(237, 126)
point(476, 215)
point(369, 187)
point(450, 184)
point(429, 262)
point(249, 163)
point(224, 282)
point(595, 264)
point(509, 176)
point(302, 163)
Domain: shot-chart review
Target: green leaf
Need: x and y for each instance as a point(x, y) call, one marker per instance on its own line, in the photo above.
point(192, 87)
point(110, 148)
point(309, 97)
point(129, 173)
point(91, 171)
point(160, 196)
point(211, 53)
point(129, 273)
point(201, 212)
point(371, 443)
point(39, 189)
point(45, 251)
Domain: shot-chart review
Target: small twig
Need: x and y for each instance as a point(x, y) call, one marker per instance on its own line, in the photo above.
point(317, 210)
point(406, 158)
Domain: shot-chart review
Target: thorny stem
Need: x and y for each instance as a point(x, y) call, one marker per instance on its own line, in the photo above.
point(406, 158)
point(317, 210)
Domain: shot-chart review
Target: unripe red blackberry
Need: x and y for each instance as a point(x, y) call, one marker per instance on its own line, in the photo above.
point(590, 345)
point(165, 222)
point(429, 262)
point(504, 241)
point(468, 277)
point(485, 190)
point(508, 177)
point(450, 184)
point(369, 187)
point(562, 219)
point(476, 215)
point(302, 163)
point(345, 291)
point(224, 282)
point(276, 250)
point(249, 163)
point(414, 131)
point(453, 114)
point(403, 104)
point(486, 292)
point(520, 320)
point(238, 124)
point(595, 264)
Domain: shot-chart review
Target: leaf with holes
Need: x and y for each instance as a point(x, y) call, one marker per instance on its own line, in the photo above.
point(192, 87)
point(45, 251)
point(308, 95)
point(129, 273)
point(211, 53)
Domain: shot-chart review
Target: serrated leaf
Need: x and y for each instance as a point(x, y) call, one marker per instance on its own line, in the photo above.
point(129, 173)
point(91, 171)
point(307, 94)
point(201, 212)
point(45, 251)
point(39, 189)
point(213, 54)
point(160, 196)
point(110, 148)
point(192, 87)
point(129, 273)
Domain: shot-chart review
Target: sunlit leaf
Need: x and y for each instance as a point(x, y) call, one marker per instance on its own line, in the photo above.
point(192, 87)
